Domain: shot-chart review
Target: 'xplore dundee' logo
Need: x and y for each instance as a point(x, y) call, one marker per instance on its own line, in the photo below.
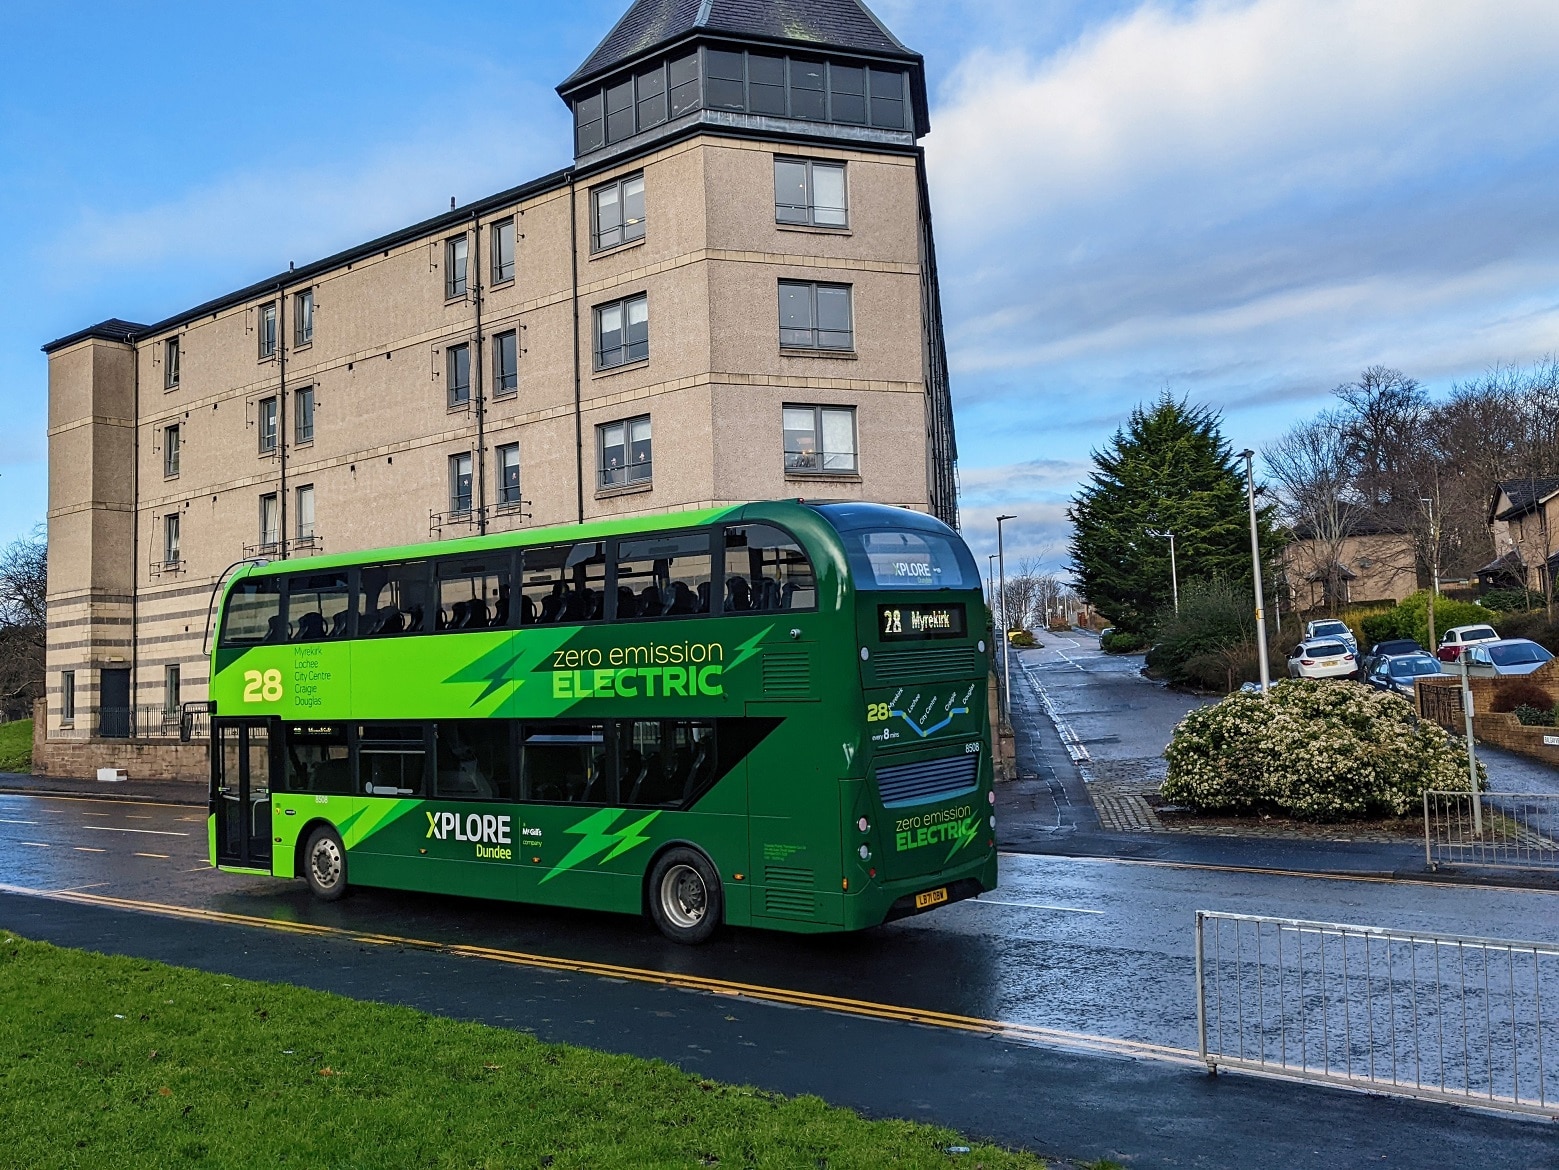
point(488, 832)
point(597, 836)
point(956, 827)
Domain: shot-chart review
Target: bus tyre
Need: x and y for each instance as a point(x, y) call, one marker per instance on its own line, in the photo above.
point(324, 864)
point(684, 896)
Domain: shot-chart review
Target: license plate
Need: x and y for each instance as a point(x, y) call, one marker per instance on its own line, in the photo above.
point(930, 898)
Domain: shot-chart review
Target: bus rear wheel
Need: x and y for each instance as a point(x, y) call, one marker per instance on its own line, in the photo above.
point(324, 864)
point(684, 896)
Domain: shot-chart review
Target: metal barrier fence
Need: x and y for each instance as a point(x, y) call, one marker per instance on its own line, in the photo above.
point(1407, 1012)
point(1508, 830)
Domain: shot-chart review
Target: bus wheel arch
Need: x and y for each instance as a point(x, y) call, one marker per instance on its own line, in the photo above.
point(683, 896)
point(321, 861)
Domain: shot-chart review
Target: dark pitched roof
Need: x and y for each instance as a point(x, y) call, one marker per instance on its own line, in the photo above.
point(111, 330)
point(1511, 562)
point(1525, 494)
point(1354, 523)
point(835, 24)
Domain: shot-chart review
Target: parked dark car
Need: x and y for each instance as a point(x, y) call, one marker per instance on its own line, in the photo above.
point(1400, 673)
point(1391, 649)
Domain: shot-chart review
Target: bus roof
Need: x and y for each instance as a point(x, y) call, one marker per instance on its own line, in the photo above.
point(839, 514)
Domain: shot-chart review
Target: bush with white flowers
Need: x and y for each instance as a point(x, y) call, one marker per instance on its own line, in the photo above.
point(1313, 749)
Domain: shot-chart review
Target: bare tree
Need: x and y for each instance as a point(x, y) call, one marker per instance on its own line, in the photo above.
point(1312, 464)
point(23, 617)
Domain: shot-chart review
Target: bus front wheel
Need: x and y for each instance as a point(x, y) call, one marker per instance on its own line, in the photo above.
point(324, 864)
point(685, 899)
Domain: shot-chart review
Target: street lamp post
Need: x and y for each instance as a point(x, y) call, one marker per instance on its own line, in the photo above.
point(1174, 573)
point(1255, 565)
point(1006, 642)
point(1434, 566)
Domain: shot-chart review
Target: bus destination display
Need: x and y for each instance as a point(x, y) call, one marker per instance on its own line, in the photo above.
point(906, 623)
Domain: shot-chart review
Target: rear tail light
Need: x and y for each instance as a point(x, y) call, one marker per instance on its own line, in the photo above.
point(1347, 657)
point(1307, 662)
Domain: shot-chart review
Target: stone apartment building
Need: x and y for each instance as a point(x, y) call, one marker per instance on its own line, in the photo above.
point(730, 295)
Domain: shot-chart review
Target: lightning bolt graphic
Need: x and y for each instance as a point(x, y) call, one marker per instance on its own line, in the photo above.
point(497, 668)
point(748, 648)
point(597, 836)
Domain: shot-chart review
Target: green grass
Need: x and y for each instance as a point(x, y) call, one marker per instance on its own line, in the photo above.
point(16, 746)
point(126, 1063)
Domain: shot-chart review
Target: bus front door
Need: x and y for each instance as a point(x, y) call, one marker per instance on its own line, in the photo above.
point(241, 791)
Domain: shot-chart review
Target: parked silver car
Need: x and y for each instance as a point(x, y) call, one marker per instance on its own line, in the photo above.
point(1322, 658)
point(1331, 628)
point(1400, 673)
point(1506, 657)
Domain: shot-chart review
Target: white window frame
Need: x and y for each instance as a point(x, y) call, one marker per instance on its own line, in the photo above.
point(508, 455)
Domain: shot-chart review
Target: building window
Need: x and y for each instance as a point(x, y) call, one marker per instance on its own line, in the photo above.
point(804, 88)
point(170, 451)
point(815, 316)
point(820, 439)
point(266, 419)
point(303, 317)
point(622, 332)
point(627, 105)
point(506, 370)
point(457, 367)
point(170, 539)
point(625, 453)
point(305, 510)
point(509, 473)
point(303, 414)
point(270, 521)
point(67, 695)
point(170, 689)
point(455, 267)
point(170, 363)
point(810, 193)
point(268, 330)
point(460, 482)
point(617, 213)
point(503, 251)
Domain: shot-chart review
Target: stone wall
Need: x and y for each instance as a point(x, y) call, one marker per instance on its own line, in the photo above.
point(143, 759)
point(1440, 699)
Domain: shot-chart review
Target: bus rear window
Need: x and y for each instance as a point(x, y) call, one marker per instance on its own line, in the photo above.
point(253, 613)
point(909, 559)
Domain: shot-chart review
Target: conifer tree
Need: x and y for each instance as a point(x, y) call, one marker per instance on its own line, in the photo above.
point(1169, 469)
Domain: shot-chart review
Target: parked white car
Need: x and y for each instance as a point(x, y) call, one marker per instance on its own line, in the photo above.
point(1454, 639)
point(1333, 629)
point(1505, 657)
point(1322, 658)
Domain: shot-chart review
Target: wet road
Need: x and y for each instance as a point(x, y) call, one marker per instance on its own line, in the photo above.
point(1087, 947)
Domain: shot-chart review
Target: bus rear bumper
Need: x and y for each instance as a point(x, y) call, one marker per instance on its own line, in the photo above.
point(908, 897)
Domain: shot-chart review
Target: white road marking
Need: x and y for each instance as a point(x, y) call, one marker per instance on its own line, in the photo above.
point(151, 832)
point(5, 822)
point(1035, 906)
point(159, 856)
point(1074, 746)
point(35, 844)
point(87, 849)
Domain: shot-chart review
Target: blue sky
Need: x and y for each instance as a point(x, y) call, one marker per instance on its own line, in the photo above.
point(1244, 203)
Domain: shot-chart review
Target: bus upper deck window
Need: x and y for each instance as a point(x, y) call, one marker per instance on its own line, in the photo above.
point(473, 593)
point(766, 570)
point(318, 605)
point(563, 584)
point(906, 558)
point(395, 600)
point(663, 576)
point(253, 613)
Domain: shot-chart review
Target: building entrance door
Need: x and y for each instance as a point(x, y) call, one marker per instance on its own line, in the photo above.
point(113, 703)
point(241, 791)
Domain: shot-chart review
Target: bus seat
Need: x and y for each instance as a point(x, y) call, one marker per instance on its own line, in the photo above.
point(311, 628)
point(788, 594)
point(627, 603)
point(276, 630)
point(338, 624)
point(703, 597)
point(768, 594)
point(682, 599)
point(738, 595)
point(501, 610)
point(650, 603)
point(527, 611)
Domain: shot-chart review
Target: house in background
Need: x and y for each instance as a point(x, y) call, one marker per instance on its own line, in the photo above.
point(1523, 518)
point(1364, 561)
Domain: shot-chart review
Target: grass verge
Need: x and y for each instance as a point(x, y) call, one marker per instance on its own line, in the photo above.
point(108, 1061)
point(16, 746)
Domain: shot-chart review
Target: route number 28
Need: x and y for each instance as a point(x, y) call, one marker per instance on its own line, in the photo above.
point(262, 688)
point(876, 712)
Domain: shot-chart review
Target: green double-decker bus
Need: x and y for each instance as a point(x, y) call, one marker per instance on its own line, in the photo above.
point(772, 714)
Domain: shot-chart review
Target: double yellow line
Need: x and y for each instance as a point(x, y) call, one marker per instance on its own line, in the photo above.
point(1021, 1033)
